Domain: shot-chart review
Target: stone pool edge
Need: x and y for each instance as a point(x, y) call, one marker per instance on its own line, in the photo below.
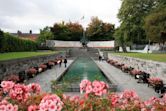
point(113, 81)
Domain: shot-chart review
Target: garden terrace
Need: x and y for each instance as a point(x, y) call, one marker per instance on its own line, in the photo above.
point(154, 57)
point(19, 55)
point(155, 69)
point(16, 66)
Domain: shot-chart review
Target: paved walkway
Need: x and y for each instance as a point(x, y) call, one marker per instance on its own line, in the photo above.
point(126, 81)
point(122, 80)
point(45, 78)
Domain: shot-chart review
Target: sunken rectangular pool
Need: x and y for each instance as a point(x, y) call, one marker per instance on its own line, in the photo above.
point(81, 68)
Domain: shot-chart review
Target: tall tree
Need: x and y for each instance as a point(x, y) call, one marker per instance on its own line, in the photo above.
point(1, 37)
point(98, 30)
point(155, 24)
point(75, 31)
point(119, 40)
point(68, 31)
point(131, 14)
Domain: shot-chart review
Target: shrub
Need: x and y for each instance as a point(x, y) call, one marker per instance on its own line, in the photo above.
point(14, 44)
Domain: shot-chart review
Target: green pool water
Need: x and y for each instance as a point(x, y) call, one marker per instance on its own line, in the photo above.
point(83, 68)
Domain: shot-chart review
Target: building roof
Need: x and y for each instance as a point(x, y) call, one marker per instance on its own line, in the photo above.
point(26, 36)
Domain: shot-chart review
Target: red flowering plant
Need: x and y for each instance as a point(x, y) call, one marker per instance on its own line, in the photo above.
point(125, 101)
point(43, 66)
point(155, 104)
point(6, 106)
point(51, 103)
point(94, 91)
point(97, 88)
point(20, 97)
point(135, 72)
point(31, 72)
point(125, 68)
point(155, 81)
point(55, 61)
point(11, 77)
point(51, 63)
point(112, 62)
point(19, 93)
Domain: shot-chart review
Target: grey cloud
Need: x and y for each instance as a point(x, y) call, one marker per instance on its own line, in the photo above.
point(35, 14)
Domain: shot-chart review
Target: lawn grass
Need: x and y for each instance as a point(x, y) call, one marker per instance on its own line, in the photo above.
point(154, 57)
point(16, 55)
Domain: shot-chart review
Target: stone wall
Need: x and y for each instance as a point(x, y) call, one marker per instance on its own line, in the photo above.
point(17, 65)
point(156, 69)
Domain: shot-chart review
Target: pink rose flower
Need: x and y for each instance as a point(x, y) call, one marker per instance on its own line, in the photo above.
point(50, 103)
point(7, 85)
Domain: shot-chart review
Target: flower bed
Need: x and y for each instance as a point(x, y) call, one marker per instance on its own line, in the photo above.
point(126, 68)
point(20, 97)
point(12, 77)
point(142, 76)
point(43, 66)
point(155, 81)
point(31, 72)
point(24, 75)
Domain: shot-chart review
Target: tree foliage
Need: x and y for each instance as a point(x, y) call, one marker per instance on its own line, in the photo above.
point(75, 31)
point(132, 14)
point(45, 34)
point(98, 30)
point(1, 37)
point(155, 24)
point(69, 31)
point(11, 43)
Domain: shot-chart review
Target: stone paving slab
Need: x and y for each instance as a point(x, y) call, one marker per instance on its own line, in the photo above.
point(45, 78)
point(126, 81)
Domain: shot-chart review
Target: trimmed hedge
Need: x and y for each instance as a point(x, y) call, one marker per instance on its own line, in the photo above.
point(10, 43)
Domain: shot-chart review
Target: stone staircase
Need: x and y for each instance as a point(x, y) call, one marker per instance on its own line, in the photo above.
point(78, 52)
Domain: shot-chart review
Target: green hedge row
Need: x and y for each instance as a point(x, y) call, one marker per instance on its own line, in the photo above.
point(9, 43)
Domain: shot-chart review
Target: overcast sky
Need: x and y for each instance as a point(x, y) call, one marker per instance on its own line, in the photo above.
point(24, 15)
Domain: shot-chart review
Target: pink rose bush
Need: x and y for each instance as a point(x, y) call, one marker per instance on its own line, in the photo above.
point(127, 101)
point(6, 106)
point(51, 103)
point(12, 77)
point(154, 81)
point(34, 88)
point(97, 88)
point(43, 66)
point(135, 72)
point(33, 108)
point(7, 85)
point(155, 104)
point(19, 92)
point(20, 97)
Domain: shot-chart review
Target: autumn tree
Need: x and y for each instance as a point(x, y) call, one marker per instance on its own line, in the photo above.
point(98, 30)
point(75, 31)
point(68, 31)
